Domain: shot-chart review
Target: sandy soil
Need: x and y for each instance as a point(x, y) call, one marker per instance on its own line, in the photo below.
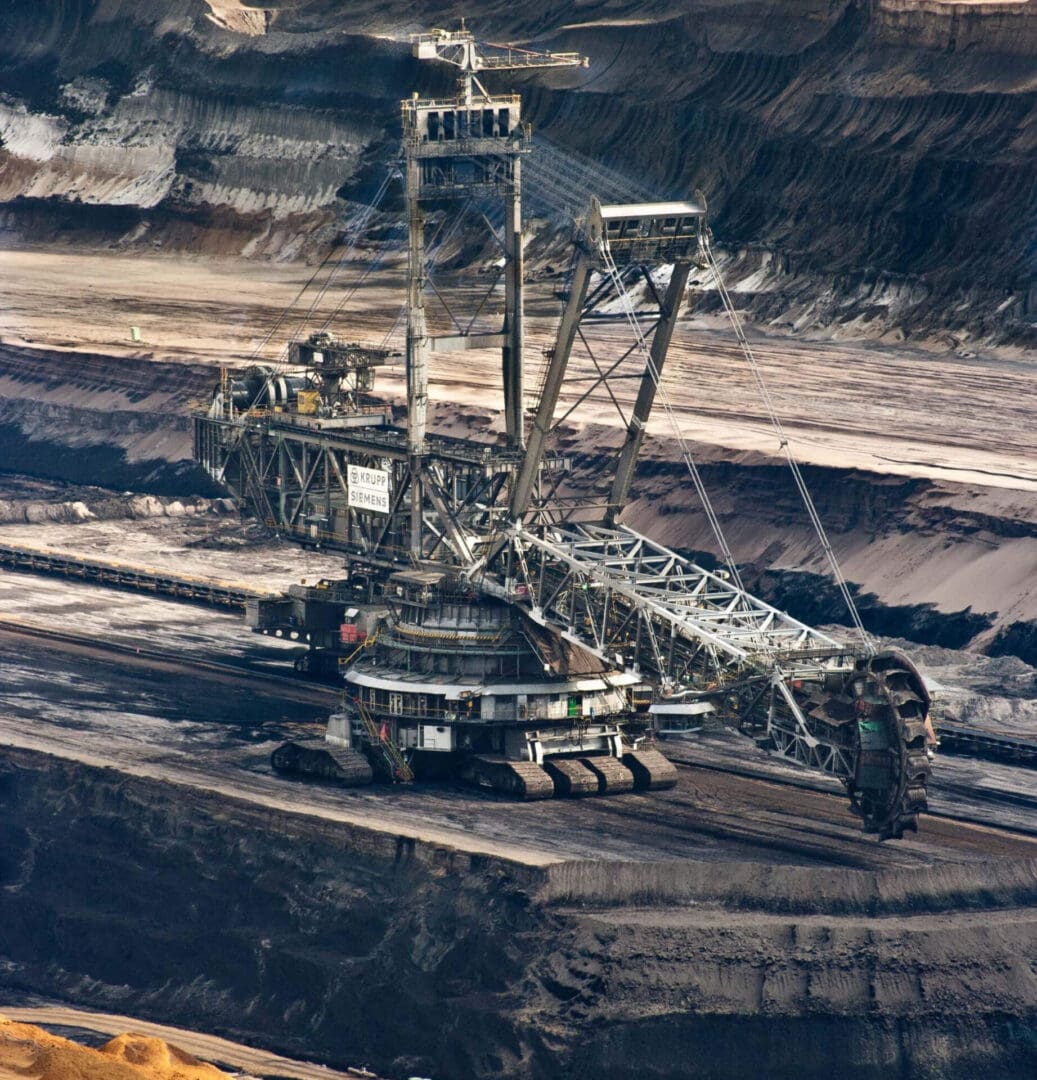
point(26, 1050)
point(890, 408)
point(84, 1023)
point(211, 546)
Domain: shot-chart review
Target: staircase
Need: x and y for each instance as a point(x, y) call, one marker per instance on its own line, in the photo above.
point(398, 766)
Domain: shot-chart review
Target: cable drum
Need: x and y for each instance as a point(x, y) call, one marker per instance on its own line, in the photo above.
point(281, 390)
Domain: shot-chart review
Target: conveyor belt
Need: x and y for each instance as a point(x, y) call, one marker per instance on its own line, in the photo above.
point(994, 745)
point(208, 591)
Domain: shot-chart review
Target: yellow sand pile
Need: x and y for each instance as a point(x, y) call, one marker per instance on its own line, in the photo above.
point(27, 1051)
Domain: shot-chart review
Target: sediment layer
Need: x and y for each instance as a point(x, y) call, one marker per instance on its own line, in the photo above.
point(139, 896)
point(868, 163)
point(937, 562)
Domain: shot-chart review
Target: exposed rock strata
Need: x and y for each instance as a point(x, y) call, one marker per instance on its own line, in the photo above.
point(82, 420)
point(869, 163)
point(937, 562)
point(139, 896)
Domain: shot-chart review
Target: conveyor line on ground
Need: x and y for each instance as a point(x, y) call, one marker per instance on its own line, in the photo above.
point(993, 745)
point(147, 579)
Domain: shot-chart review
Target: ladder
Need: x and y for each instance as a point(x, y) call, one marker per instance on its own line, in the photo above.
point(391, 752)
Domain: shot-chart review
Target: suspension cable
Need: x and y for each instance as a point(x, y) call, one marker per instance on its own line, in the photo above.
point(371, 267)
point(689, 461)
point(356, 230)
point(347, 245)
point(287, 310)
point(442, 236)
point(783, 443)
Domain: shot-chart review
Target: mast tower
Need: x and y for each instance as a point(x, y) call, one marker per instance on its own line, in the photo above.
point(470, 145)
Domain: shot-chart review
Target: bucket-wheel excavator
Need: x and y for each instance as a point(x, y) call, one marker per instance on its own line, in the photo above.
point(493, 622)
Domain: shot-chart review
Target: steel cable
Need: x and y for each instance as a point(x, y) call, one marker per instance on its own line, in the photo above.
point(783, 444)
point(653, 371)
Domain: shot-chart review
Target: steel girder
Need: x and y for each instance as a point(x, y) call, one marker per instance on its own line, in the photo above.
point(615, 590)
point(637, 604)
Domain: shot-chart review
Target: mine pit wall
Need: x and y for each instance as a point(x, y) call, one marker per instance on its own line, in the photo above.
point(898, 539)
point(86, 419)
point(346, 944)
point(83, 419)
point(792, 890)
point(871, 150)
point(341, 943)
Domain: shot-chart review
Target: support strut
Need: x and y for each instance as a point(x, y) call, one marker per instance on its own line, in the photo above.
point(646, 393)
point(418, 349)
point(570, 323)
point(511, 353)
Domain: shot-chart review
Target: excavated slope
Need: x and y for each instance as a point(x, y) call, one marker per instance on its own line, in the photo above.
point(347, 943)
point(867, 162)
point(934, 561)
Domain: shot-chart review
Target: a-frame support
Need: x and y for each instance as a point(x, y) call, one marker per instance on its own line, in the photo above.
point(669, 314)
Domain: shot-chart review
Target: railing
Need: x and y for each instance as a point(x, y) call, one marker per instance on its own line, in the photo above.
point(422, 633)
point(391, 752)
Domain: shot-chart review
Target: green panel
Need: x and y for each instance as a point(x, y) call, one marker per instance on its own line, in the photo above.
point(874, 735)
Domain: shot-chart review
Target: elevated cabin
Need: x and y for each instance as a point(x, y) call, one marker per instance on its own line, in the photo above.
point(646, 232)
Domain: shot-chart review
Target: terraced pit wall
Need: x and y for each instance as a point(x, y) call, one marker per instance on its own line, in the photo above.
point(302, 935)
point(933, 561)
point(867, 162)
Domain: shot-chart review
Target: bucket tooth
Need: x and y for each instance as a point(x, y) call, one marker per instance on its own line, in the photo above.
point(613, 776)
point(572, 778)
point(915, 799)
point(652, 771)
point(519, 779)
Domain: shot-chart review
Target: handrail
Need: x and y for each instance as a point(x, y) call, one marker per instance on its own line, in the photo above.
point(397, 762)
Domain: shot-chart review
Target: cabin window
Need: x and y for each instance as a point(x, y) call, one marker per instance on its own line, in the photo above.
point(433, 126)
point(504, 121)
